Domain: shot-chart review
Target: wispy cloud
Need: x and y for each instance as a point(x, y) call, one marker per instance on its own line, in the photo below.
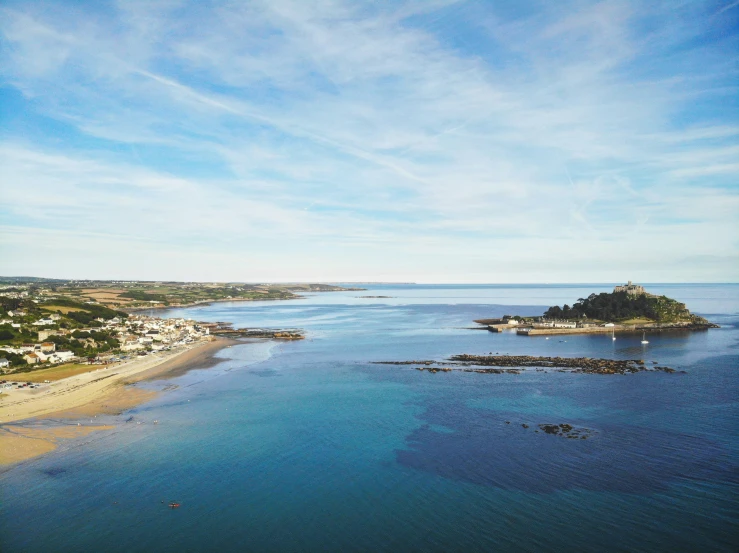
point(421, 135)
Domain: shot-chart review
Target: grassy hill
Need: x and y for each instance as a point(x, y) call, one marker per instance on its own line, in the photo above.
point(622, 307)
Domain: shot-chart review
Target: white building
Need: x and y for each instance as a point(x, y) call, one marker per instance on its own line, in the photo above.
point(42, 322)
point(61, 356)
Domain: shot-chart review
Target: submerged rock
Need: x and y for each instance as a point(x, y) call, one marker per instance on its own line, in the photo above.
point(566, 431)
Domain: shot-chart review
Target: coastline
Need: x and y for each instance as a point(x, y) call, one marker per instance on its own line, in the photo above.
point(296, 296)
point(132, 310)
point(99, 392)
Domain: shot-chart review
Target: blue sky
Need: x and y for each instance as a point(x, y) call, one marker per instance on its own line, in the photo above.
point(426, 141)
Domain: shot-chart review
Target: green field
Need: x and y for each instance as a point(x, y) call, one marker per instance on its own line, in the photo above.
point(55, 373)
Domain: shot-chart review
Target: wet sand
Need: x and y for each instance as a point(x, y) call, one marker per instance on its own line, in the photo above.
point(99, 392)
point(19, 443)
point(200, 358)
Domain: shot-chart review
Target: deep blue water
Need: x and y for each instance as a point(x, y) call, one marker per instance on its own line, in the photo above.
point(306, 446)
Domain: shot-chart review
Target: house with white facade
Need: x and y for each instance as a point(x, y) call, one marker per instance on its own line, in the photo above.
point(61, 356)
point(564, 324)
point(43, 322)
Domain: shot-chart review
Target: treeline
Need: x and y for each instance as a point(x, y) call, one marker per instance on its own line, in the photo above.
point(609, 307)
point(15, 359)
point(140, 295)
point(9, 334)
point(93, 309)
point(11, 304)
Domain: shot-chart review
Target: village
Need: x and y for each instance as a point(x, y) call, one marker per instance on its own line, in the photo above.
point(39, 331)
point(138, 335)
point(45, 334)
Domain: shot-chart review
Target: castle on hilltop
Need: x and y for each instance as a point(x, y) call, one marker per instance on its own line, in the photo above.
point(631, 289)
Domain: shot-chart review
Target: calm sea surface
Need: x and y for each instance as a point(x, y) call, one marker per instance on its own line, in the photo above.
point(307, 446)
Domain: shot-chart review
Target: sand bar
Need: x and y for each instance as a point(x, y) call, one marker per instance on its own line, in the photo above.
point(21, 443)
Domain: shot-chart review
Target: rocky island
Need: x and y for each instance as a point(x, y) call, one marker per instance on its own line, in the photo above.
point(629, 308)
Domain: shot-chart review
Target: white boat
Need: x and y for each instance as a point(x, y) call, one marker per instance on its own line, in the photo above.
point(644, 338)
point(613, 334)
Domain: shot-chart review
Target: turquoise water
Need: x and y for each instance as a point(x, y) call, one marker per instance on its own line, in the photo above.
point(307, 446)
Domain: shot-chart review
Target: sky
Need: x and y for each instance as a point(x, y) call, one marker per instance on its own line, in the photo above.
point(347, 141)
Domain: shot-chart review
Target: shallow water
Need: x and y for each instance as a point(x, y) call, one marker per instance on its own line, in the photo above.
point(307, 446)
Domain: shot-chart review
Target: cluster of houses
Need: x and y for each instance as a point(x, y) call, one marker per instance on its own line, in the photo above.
point(567, 324)
point(142, 332)
point(137, 332)
point(38, 353)
point(17, 313)
point(13, 292)
point(541, 322)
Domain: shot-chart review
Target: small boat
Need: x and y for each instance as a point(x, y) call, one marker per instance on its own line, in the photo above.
point(644, 338)
point(173, 505)
point(613, 334)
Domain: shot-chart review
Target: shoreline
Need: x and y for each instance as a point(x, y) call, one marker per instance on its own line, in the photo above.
point(523, 330)
point(296, 296)
point(132, 310)
point(98, 392)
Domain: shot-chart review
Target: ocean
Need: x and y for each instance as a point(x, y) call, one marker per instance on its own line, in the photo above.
point(309, 446)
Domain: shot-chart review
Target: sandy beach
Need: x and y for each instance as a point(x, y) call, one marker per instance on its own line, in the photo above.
point(101, 391)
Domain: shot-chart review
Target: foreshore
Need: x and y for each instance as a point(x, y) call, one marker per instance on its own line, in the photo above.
point(100, 391)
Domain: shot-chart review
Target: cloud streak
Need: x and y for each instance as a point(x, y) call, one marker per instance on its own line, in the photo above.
point(452, 139)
